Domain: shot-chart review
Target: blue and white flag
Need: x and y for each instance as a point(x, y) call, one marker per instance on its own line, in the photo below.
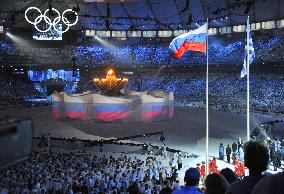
point(251, 55)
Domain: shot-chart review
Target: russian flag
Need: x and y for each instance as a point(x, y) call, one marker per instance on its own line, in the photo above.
point(194, 40)
point(110, 112)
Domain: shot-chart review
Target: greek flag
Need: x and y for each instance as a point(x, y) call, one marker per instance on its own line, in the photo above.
point(251, 55)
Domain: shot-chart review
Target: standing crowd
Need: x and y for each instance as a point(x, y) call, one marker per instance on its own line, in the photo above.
point(50, 172)
point(256, 159)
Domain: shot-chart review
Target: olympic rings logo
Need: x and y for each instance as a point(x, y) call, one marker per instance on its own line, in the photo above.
point(48, 20)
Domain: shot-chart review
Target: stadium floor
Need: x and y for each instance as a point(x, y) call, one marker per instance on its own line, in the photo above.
point(186, 131)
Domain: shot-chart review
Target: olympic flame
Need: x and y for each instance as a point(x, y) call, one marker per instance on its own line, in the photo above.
point(110, 85)
point(110, 72)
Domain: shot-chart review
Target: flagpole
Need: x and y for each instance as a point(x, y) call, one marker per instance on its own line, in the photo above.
point(248, 112)
point(207, 114)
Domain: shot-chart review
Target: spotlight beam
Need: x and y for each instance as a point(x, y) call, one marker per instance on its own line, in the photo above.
point(103, 42)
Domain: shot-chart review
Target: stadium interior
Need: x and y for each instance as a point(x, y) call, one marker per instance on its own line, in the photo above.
point(134, 97)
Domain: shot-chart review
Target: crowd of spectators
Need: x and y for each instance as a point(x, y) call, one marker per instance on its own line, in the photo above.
point(50, 172)
point(228, 49)
point(82, 172)
point(14, 94)
point(226, 91)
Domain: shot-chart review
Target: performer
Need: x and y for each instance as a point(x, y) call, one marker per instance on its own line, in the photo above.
point(228, 153)
point(213, 166)
point(179, 162)
point(278, 145)
point(210, 166)
point(214, 162)
point(275, 160)
point(221, 152)
point(241, 154)
point(282, 149)
point(172, 163)
point(202, 169)
point(164, 152)
point(240, 143)
point(234, 148)
point(278, 159)
point(271, 150)
point(198, 168)
point(274, 145)
point(235, 160)
point(240, 170)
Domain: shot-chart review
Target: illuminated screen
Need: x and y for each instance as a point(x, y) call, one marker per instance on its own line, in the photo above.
point(39, 76)
point(52, 34)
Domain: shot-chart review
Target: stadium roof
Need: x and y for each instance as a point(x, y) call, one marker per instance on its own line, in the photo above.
point(148, 14)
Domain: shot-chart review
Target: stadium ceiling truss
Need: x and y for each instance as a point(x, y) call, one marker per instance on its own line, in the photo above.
point(150, 14)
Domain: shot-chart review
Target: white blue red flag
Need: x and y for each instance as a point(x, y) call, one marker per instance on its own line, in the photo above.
point(194, 40)
point(250, 57)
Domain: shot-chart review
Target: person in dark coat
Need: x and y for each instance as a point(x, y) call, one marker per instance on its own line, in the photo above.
point(270, 185)
point(216, 184)
point(167, 190)
point(256, 160)
point(179, 161)
point(234, 148)
point(221, 152)
point(84, 188)
point(133, 189)
point(229, 175)
point(228, 153)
